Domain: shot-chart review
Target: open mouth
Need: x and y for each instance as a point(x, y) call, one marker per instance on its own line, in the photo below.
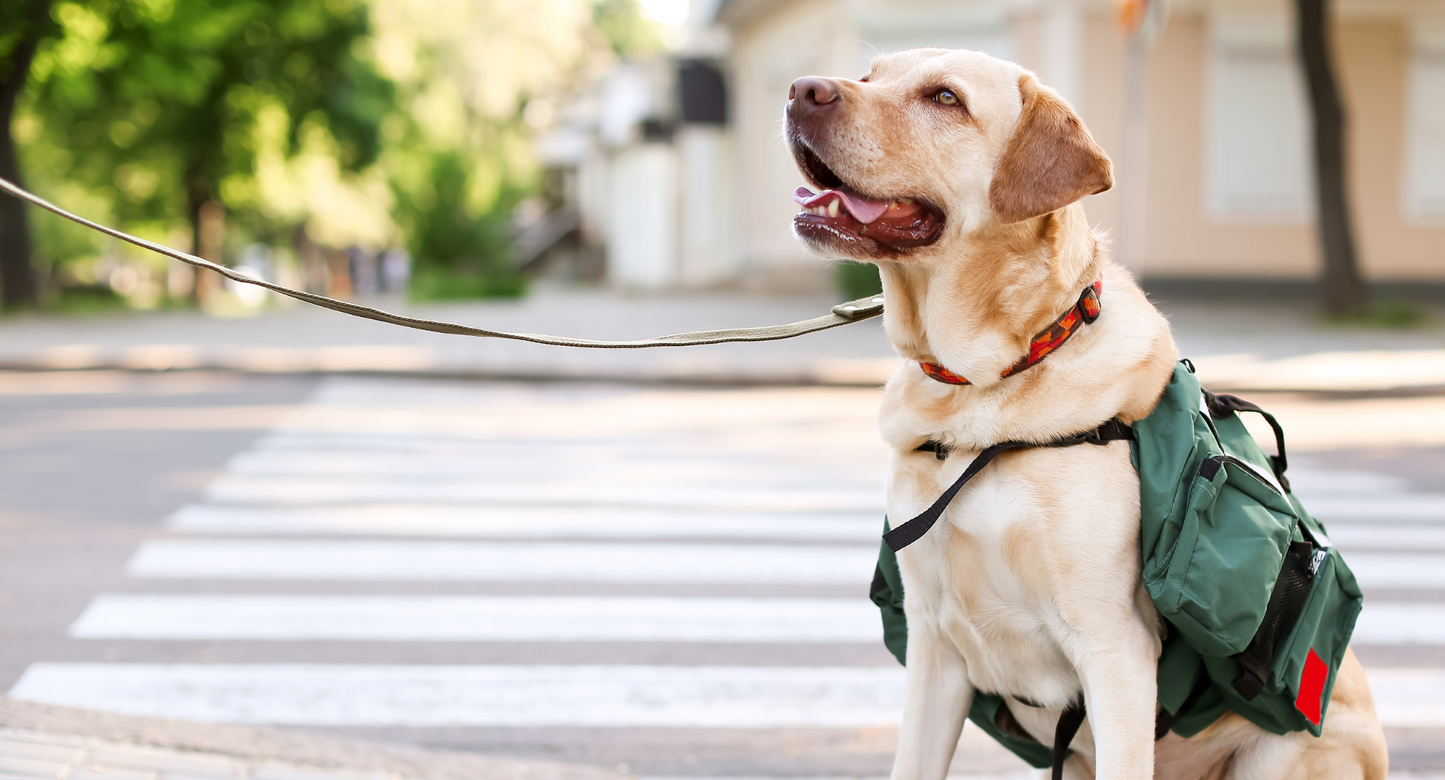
point(844, 218)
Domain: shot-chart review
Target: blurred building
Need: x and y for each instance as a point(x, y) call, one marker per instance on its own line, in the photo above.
point(646, 160)
point(684, 177)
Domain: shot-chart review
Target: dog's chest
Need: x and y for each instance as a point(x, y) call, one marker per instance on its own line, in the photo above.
point(984, 581)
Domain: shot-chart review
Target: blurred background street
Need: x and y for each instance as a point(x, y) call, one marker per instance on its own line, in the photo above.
point(664, 577)
point(222, 512)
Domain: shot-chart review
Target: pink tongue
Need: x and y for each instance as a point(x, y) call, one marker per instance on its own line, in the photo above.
point(862, 209)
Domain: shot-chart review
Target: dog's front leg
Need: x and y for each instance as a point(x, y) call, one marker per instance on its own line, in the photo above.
point(1120, 692)
point(938, 697)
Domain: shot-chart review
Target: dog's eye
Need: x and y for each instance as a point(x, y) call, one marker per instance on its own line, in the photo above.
point(947, 97)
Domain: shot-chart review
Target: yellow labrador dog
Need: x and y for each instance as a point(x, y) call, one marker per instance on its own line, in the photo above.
point(959, 175)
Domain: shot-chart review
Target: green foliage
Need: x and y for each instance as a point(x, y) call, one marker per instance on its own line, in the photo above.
point(857, 280)
point(87, 299)
point(1389, 315)
point(368, 122)
point(450, 242)
point(626, 30)
point(157, 102)
point(443, 284)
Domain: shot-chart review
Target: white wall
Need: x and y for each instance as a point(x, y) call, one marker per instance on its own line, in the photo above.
point(642, 217)
point(1424, 173)
point(1258, 148)
point(708, 254)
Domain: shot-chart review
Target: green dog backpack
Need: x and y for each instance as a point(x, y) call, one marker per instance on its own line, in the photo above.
point(1258, 605)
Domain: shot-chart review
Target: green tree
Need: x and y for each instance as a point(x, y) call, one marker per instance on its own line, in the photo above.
point(23, 25)
point(367, 121)
point(459, 155)
point(163, 101)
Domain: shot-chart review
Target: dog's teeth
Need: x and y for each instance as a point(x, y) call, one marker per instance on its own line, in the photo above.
point(833, 207)
point(903, 202)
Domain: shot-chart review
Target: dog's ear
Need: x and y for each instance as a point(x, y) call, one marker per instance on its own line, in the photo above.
point(1049, 162)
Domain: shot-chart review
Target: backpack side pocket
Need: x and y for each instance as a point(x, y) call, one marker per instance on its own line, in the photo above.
point(1307, 661)
point(1166, 585)
point(1238, 528)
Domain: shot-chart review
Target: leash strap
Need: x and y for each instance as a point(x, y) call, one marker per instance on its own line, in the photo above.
point(842, 314)
point(913, 530)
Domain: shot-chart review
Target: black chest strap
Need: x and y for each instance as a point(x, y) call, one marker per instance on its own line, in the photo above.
point(914, 529)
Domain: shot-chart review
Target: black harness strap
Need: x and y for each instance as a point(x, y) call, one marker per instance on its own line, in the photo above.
point(1223, 405)
point(1069, 724)
point(1165, 720)
point(1073, 717)
point(914, 529)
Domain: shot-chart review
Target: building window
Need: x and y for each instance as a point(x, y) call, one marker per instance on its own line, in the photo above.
point(1257, 155)
point(1424, 175)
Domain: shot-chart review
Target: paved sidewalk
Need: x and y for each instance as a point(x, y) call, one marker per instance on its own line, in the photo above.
point(42, 741)
point(1242, 345)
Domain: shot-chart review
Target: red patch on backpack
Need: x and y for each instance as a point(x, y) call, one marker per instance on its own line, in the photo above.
point(1312, 688)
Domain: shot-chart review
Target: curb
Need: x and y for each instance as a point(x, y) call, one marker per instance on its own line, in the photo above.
point(288, 747)
point(856, 372)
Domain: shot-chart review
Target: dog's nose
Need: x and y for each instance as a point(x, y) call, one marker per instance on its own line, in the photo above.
point(810, 93)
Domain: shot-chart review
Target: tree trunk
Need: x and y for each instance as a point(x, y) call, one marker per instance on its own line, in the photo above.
point(198, 196)
point(1343, 289)
point(17, 276)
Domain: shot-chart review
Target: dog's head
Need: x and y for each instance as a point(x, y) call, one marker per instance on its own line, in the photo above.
point(933, 142)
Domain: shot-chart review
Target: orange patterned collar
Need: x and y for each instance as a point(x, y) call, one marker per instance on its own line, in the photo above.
point(1083, 312)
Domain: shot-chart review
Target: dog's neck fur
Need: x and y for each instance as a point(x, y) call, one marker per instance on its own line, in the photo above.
point(976, 312)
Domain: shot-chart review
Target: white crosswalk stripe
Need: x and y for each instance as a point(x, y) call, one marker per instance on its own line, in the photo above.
point(559, 492)
point(499, 561)
point(1413, 698)
point(1414, 538)
point(1385, 623)
point(568, 468)
point(1397, 570)
point(1381, 508)
point(435, 695)
point(580, 562)
point(526, 522)
point(563, 619)
point(478, 618)
point(497, 695)
point(675, 527)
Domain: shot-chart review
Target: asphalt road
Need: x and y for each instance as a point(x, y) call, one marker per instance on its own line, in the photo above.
point(665, 581)
point(90, 466)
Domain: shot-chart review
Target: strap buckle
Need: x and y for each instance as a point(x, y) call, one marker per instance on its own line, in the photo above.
point(860, 309)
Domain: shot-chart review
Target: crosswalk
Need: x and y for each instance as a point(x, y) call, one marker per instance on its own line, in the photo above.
point(655, 569)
